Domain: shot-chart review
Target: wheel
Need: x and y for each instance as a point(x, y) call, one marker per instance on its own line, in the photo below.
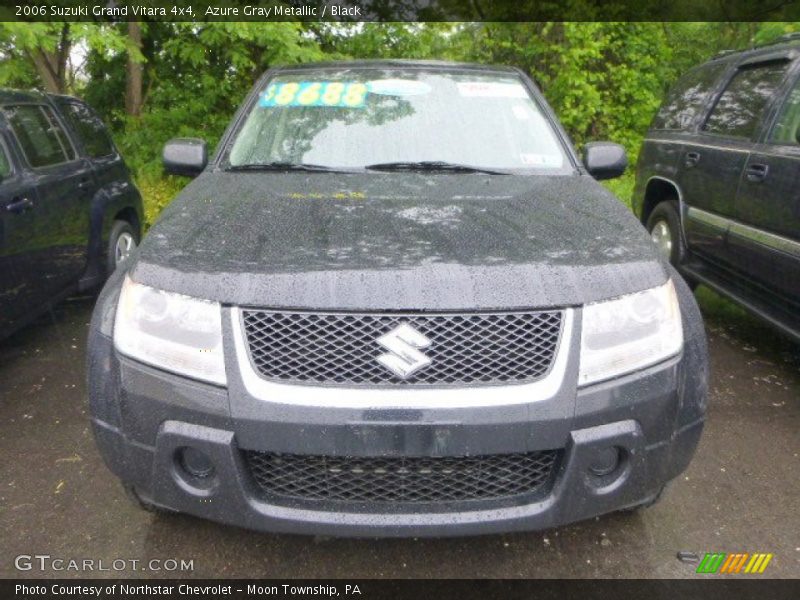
point(133, 495)
point(121, 242)
point(664, 226)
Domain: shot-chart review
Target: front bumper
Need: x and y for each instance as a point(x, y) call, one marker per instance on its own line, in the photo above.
point(142, 417)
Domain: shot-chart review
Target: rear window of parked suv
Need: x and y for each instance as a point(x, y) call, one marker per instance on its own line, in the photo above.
point(741, 105)
point(89, 127)
point(787, 127)
point(5, 164)
point(39, 134)
point(687, 97)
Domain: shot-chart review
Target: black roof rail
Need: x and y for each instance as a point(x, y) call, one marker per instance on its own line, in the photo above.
point(788, 37)
point(783, 39)
point(722, 53)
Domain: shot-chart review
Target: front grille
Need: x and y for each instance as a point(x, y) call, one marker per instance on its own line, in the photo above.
point(342, 348)
point(401, 479)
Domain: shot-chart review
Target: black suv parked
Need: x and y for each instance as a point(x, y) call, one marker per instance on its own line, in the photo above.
point(396, 302)
point(718, 182)
point(69, 212)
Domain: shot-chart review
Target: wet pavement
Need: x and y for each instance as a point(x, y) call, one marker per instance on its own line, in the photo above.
point(740, 494)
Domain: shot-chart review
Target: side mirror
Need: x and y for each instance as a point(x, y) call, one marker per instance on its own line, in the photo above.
point(604, 160)
point(185, 156)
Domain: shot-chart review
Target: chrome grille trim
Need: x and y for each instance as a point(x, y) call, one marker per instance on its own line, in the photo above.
point(330, 349)
point(400, 397)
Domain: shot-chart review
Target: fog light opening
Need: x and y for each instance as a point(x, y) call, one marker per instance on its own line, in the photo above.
point(194, 463)
point(606, 462)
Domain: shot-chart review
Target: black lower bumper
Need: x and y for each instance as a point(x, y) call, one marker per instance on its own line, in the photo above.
point(230, 495)
point(143, 419)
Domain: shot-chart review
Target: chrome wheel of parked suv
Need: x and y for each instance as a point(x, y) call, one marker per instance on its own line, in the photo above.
point(662, 238)
point(664, 227)
point(122, 242)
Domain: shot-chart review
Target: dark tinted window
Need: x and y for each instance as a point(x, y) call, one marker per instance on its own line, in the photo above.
point(89, 127)
point(5, 163)
point(687, 97)
point(41, 137)
point(787, 127)
point(741, 105)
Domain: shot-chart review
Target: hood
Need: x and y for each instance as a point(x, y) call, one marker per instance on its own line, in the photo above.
point(387, 241)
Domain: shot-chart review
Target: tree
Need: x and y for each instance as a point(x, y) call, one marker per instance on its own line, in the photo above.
point(51, 63)
point(52, 56)
point(133, 86)
point(44, 46)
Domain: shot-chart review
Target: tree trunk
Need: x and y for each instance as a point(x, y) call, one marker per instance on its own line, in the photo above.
point(133, 83)
point(52, 66)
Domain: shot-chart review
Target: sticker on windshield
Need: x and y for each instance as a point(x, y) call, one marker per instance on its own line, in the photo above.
point(315, 93)
point(531, 159)
point(491, 89)
point(398, 87)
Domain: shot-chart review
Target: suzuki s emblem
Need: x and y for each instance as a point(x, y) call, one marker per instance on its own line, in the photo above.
point(404, 358)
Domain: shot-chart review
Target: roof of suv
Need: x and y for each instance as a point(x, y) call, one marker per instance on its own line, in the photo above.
point(8, 95)
point(781, 44)
point(383, 63)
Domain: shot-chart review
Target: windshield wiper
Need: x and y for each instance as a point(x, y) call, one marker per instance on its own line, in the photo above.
point(430, 165)
point(282, 166)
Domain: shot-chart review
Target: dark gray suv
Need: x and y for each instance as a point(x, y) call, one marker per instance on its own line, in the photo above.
point(69, 211)
point(395, 302)
point(718, 176)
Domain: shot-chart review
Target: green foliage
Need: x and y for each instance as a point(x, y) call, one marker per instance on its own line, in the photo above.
point(157, 192)
point(195, 77)
point(605, 80)
point(622, 187)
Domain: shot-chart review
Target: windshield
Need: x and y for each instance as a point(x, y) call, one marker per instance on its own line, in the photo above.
point(397, 118)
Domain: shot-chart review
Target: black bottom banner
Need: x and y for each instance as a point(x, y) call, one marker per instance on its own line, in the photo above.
point(461, 589)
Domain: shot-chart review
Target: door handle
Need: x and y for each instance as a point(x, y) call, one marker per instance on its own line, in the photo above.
point(691, 159)
point(756, 172)
point(83, 184)
point(19, 205)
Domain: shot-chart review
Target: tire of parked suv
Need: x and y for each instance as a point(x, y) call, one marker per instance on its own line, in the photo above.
point(122, 234)
point(665, 215)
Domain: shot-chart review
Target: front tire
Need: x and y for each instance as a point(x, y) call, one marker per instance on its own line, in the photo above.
point(122, 241)
point(664, 226)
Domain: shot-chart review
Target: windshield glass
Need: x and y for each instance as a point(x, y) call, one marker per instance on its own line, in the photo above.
point(357, 118)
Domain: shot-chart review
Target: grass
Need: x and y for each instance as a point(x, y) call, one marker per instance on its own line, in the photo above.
point(622, 187)
point(157, 192)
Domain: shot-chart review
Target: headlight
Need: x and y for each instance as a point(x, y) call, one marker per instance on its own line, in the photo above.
point(171, 331)
point(629, 333)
